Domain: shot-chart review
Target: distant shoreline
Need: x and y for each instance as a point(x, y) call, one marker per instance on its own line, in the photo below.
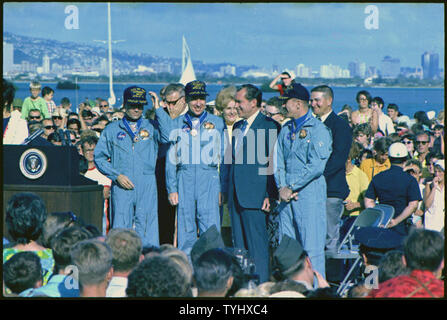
point(259, 84)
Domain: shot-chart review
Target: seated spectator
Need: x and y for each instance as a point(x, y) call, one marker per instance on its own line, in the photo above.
point(22, 272)
point(385, 123)
point(181, 259)
point(48, 128)
point(374, 244)
point(35, 138)
point(422, 150)
point(434, 199)
point(408, 141)
point(34, 115)
point(212, 273)
point(127, 248)
point(290, 261)
point(391, 265)
point(63, 283)
point(424, 258)
point(55, 139)
point(15, 129)
point(25, 216)
point(438, 134)
point(93, 260)
point(59, 119)
point(362, 134)
point(157, 276)
point(358, 183)
point(72, 115)
point(414, 168)
point(74, 125)
point(380, 162)
point(55, 222)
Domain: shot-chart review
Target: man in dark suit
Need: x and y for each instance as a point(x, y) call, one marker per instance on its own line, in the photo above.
point(250, 177)
point(335, 172)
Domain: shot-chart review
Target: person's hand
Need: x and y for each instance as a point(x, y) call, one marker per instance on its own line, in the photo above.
point(419, 213)
point(154, 99)
point(106, 192)
point(266, 205)
point(351, 205)
point(392, 223)
point(125, 182)
point(173, 198)
point(286, 194)
point(435, 182)
point(322, 283)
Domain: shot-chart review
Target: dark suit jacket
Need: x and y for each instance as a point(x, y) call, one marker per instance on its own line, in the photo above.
point(244, 178)
point(335, 171)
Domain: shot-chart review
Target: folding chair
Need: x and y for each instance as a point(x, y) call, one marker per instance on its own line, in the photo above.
point(388, 212)
point(370, 217)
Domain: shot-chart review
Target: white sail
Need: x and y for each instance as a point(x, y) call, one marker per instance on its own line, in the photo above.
point(188, 73)
point(112, 99)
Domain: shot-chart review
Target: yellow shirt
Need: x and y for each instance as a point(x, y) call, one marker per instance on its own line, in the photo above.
point(358, 183)
point(371, 167)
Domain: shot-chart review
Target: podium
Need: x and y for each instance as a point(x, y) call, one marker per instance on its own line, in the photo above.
point(52, 172)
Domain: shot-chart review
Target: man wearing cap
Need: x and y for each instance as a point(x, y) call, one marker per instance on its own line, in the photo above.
point(303, 149)
point(396, 188)
point(321, 99)
point(291, 261)
point(131, 144)
point(192, 177)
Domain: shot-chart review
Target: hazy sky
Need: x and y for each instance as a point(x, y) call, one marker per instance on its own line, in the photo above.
point(263, 34)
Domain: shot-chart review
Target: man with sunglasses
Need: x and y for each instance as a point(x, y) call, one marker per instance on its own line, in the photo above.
point(34, 115)
point(131, 145)
point(48, 128)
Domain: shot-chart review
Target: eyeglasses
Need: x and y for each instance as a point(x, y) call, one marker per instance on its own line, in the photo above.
point(363, 99)
point(422, 142)
point(34, 117)
point(57, 118)
point(50, 127)
point(172, 102)
point(407, 142)
point(104, 105)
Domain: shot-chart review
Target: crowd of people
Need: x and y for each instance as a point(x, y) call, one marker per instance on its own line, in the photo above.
point(232, 198)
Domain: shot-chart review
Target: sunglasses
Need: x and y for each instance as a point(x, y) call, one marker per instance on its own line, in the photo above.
point(422, 142)
point(172, 102)
point(139, 107)
point(105, 105)
point(97, 130)
point(34, 117)
point(57, 117)
point(50, 127)
point(407, 142)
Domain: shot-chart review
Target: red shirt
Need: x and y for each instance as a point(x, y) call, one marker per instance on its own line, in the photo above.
point(407, 286)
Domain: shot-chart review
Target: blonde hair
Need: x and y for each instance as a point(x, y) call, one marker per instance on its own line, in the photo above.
point(223, 98)
point(35, 85)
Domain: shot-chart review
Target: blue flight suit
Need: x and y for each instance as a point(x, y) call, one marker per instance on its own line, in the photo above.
point(137, 161)
point(192, 166)
point(300, 162)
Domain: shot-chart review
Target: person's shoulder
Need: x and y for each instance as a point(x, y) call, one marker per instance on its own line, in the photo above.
point(270, 122)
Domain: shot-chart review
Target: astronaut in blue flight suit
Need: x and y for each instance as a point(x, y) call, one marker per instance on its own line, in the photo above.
point(303, 148)
point(192, 177)
point(131, 145)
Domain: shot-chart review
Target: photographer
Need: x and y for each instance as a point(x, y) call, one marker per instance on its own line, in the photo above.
point(285, 82)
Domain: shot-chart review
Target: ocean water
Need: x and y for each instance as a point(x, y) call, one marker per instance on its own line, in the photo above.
point(409, 100)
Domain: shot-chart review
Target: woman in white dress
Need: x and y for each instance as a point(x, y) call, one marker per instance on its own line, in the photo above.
point(434, 199)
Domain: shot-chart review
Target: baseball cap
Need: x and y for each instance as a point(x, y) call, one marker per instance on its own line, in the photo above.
point(134, 95)
point(398, 150)
point(195, 88)
point(297, 91)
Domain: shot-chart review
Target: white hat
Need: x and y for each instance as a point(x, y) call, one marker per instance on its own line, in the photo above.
point(440, 163)
point(431, 114)
point(398, 150)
